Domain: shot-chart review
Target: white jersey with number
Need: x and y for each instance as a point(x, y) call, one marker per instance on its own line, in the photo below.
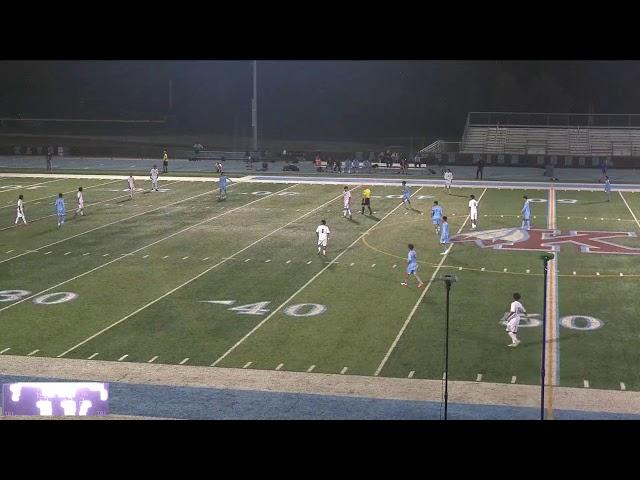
point(80, 200)
point(346, 199)
point(154, 174)
point(131, 183)
point(448, 176)
point(473, 208)
point(20, 210)
point(514, 319)
point(323, 235)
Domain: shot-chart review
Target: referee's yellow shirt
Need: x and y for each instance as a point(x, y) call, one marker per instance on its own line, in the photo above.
point(366, 193)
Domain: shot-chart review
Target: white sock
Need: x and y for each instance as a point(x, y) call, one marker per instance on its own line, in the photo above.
point(514, 339)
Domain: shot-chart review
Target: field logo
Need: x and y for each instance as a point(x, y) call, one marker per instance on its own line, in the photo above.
point(543, 240)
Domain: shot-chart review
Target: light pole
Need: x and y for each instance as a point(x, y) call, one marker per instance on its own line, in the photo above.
point(448, 280)
point(254, 106)
point(546, 257)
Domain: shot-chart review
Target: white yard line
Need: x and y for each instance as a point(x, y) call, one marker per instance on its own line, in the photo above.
point(5, 350)
point(93, 355)
point(145, 247)
point(153, 359)
point(247, 365)
point(417, 304)
point(33, 353)
point(12, 189)
point(631, 211)
point(344, 370)
point(280, 366)
point(311, 368)
point(203, 272)
point(309, 282)
point(184, 361)
point(123, 357)
point(106, 225)
point(552, 354)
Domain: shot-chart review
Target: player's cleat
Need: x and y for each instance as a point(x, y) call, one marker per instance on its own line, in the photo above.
point(512, 345)
point(403, 283)
point(443, 253)
point(518, 342)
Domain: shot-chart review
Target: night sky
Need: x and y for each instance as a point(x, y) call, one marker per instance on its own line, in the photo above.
point(317, 99)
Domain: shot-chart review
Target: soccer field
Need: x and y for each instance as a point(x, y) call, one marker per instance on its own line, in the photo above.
point(178, 277)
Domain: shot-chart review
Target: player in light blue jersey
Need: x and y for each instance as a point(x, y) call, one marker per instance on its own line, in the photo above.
point(406, 195)
point(607, 188)
point(412, 267)
point(526, 214)
point(444, 235)
point(60, 210)
point(222, 184)
point(436, 216)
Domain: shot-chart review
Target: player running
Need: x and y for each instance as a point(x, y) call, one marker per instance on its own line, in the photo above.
point(131, 184)
point(526, 214)
point(607, 188)
point(366, 200)
point(448, 178)
point(444, 235)
point(20, 210)
point(153, 175)
point(80, 198)
point(60, 210)
point(513, 320)
point(222, 186)
point(406, 195)
point(412, 267)
point(346, 203)
point(322, 232)
point(473, 212)
point(436, 216)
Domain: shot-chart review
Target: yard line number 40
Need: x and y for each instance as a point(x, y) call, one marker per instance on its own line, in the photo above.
point(260, 308)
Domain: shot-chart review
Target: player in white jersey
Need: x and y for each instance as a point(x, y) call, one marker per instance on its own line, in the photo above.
point(346, 203)
point(322, 233)
point(153, 175)
point(448, 178)
point(20, 210)
point(131, 183)
point(473, 212)
point(80, 209)
point(513, 320)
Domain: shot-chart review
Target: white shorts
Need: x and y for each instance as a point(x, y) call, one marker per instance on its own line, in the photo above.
point(512, 325)
point(19, 215)
point(447, 183)
point(81, 206)
point(322, 242)
point(473, 214)
point(346, 207)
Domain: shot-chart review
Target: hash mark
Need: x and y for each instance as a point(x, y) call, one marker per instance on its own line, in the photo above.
point(482, 269)
point(373, 265)
point(247, 260)
point(166, 256)
point(309, 262)
point(145, 256)
point(67, 253)
point(280, 366)
point(247, 365)
point(5, 350)
point(184, 258)
point(205, 259)
point(394, 265)
point(621, 274)
point(351, 265)
point(343, 371)
point(92, 356)
point(586, 383)
point(513, 379)
point(528, 271)
point(574, 273)
point(411, 373)
point(105, 255)
point(47, 253)
point(85, 254)
point(479, 378)
point(310, 369)
point(152, 360)
point(9, 251)
point(34, 352)
point(288, 261)
point(267, 261)
point(184, 361)
point(622, 386)
point(597, 274)
point(504, 270)
point(123, 357)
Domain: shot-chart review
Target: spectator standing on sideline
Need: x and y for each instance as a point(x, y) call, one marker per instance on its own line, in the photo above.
point(603, 169)
point(480, 168)
point(49, 154)
point(165, 161)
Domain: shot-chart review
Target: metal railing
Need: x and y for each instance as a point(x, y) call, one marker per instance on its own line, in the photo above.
point(563, 120)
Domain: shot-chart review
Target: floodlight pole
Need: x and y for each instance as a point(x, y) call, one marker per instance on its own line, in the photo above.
point(448, 280)
point(545, 259)
point(254, 106)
